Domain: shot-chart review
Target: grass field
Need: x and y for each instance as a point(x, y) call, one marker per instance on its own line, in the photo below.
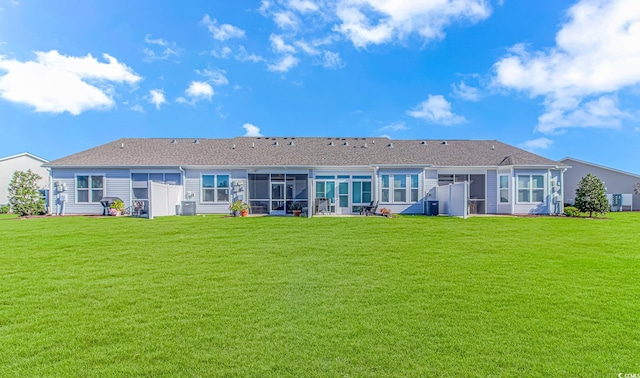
point(362, 296)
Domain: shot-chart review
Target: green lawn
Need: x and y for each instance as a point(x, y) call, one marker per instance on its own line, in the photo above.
point(361, 296)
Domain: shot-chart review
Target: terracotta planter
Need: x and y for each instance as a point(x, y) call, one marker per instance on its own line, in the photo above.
point(244, 213)
point(296, 213)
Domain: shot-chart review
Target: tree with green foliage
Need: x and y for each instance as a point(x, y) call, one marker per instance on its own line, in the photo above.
point(24, 196)
point(591, 196)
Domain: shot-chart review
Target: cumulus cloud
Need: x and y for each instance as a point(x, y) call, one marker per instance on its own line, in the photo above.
point(536, 144)
point(197, 90)
point(215, 76)
point(57, 83)
point(366, 22)
point(284, 65)
point(221, 32)
point(436, 109)
point(285, 20)
point(251, 130)
point(466, 92)
point(156, 97)
point(278, 45)
point(159, 49)
point(138, 108)
point(303, 6)
point(332, 60)
point(597, 54)
point(224, 52)
point(244, 56)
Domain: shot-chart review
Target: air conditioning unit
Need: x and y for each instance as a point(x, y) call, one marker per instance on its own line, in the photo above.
point(188, 207)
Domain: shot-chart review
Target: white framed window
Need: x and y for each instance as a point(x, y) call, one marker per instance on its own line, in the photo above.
point(89, 188)
point(504, 188)
point(405, 188)
point(215, 189)
point(530, 188)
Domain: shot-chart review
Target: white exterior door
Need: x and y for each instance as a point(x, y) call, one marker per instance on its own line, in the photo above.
point(342, 198)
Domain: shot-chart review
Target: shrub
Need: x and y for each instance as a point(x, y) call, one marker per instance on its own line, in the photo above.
point(571, 211)
point(4, 209)
point(24, 196)
point(591, 196)
point(117, 205)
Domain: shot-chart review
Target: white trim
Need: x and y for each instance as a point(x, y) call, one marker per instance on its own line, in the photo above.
point(531, 189)
point(24, 154)
point(89, 189)
point(507, 188)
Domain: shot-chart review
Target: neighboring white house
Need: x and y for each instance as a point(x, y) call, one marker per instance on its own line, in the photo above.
point(616, 181)
point(21, 162)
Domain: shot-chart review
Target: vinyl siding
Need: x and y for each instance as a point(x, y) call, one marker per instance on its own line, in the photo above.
point(402, 208)
point(492, 192)
point(117, 184)
point(193, 187)
point(531, 208)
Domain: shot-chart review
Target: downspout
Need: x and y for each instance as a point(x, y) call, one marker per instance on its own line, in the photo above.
point(50, 192)
point(182, 177)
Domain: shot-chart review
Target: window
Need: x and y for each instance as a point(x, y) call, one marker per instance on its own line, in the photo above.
point(140, 182)
point(414, 188)
point(399, 188)
point(89, 189)
point(530, 188)
point(215, 188)
point(385, 188)
point(361, 192)
point(504, 189)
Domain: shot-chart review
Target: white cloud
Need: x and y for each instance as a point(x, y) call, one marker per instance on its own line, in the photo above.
point(466, 92)
point(332, 60)
point(278, 45)
point(251, 130)
point(138, 108)
point(536, 144)
point(307, 48)
point(436, 109)
point(57, 83)
point(285, 20)
point(366, 22)
point(243, 56)
point(197, 90)
point(597, 54)
point(303, 6)
point(215, 77)
point(222, 32)
point(168, 49)
point(156, 97)
point(396, 126)
point(284, 65)
point(224, 53)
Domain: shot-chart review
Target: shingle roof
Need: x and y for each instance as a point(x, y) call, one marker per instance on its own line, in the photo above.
point(281, 151)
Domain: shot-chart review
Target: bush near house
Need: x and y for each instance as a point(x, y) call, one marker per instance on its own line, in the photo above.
point(24, 194)
point(571, 211)
point(4, 209)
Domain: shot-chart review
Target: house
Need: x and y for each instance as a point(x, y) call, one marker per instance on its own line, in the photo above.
point(615, 181)
point(21, 162)
point(340, 174)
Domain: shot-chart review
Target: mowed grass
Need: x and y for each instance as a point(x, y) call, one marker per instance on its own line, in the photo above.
point(282, 296)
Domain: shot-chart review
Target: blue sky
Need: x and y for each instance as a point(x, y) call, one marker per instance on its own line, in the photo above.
point(559, 78)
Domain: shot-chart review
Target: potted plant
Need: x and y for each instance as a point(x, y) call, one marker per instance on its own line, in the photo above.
point(239, 208)
point(117, 207)
point(296, 207)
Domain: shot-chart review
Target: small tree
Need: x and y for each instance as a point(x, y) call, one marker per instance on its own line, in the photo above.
point(591, 195)
point(24, 197)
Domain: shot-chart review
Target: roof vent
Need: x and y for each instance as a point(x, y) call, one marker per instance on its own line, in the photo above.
point(253, 145)
point(331, 143)
point(276, 143)
point(445, 143)
point(291, 143)
point(346, 143)
point(423, 142)
point(234, 146)
point(493, 147)
point(373, 141)
point(196, 142)
point(390, 145)
point(121, 145)
point(365, 145)
point(173, 141)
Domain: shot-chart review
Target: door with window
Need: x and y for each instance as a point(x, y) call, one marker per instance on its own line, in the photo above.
point(342, 203)
point(277, 198)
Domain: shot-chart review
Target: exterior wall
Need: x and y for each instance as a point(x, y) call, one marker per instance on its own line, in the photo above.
point(20, 163)
point(402, 208)
point(615, 182)
point(492, 192)
point(430, 184)
point(530, 208)
point(505, 208)
point(117, 184)
point(193, 188)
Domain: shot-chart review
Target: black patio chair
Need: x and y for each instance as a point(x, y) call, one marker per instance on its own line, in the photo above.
point(371, 209)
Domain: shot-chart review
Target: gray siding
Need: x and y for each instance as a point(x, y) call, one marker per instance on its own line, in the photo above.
point(531, 208)
point(492, 192)
point(505, 208)
point(117, 184)
point(614, 181)
point(193, 189)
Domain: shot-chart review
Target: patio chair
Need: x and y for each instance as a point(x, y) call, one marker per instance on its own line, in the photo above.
point(371, 209)
point(139, 208)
